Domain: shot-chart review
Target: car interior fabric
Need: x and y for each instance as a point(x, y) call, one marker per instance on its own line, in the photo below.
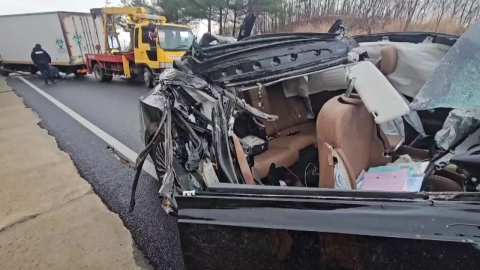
point(346, 126)
point(242, 161)
point(388, 61)
point(416, 63)
point(290, 133)
point(378, 95)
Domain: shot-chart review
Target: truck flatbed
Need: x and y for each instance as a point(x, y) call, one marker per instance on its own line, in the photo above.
point(113, 62)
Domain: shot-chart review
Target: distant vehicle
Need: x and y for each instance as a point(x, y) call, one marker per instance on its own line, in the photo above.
point(66, 36)
point(155, 44)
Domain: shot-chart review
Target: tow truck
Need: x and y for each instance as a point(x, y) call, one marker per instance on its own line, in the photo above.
point(154, 45)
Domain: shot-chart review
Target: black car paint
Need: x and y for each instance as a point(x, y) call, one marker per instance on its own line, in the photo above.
point(245, 231)
point(235, 226)
point(266, 62)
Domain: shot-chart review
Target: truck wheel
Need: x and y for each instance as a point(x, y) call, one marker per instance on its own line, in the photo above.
point(148, 77)
point(108, 78)
point(4, 72)
point(99, 73)
point(33, 70)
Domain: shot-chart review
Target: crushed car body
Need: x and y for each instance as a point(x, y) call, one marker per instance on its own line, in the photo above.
point(269, 151)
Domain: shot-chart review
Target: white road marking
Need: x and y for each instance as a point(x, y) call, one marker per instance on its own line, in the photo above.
point(120, 147)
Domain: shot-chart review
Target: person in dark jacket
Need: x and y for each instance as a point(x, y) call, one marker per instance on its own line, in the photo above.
point(42, 60)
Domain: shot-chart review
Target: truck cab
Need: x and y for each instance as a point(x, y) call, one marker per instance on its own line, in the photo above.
point(158, 49)
point(154, 45)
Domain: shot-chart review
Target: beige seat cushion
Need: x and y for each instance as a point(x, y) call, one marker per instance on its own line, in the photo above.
point(394, 140)
point(305, 137)
point(290, 111)
point(436, 183)
point(347, 126)
point(388, 61)
point(297, 142)
point(308, 128)
point(242, 161)
point(292, 117)
point(281, 157)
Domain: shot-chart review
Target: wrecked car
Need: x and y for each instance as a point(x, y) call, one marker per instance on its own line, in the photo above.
point(321, 151)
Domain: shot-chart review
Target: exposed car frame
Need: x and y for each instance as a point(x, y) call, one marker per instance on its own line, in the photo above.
point(230, 225)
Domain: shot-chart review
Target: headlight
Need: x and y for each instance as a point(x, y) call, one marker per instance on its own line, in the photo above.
point(166, 65)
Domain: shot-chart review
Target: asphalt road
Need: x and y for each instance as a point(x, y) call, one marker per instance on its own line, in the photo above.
point(113, 107)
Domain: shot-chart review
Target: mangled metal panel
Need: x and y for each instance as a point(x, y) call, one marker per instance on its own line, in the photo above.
point(190, 140)
point(209, 40)
point(265, 59)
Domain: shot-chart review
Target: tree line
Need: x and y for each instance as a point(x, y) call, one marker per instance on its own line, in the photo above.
point(287, 15)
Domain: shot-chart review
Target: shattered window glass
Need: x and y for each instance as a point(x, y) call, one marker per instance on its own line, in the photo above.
point(456, 81)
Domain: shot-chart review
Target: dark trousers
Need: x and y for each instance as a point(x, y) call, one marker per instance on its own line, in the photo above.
point(45, 71)
point(55, 73)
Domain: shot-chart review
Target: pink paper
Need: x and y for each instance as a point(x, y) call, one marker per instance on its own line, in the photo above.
point(386, 181)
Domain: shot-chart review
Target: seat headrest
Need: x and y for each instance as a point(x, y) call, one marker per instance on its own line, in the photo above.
point(335, 113)
point(350, 100)
point(388, 61)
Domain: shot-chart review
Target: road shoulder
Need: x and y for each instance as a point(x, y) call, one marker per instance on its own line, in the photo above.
point(49, 216)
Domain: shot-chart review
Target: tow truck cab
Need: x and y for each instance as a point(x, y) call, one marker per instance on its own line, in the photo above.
point(154, 45)
point(171, 43)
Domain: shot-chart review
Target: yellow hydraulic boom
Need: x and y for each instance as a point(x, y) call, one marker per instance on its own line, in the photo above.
point(154, 45)
point(134, 15)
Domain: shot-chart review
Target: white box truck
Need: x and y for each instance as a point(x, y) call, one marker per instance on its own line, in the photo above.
point(66, 36)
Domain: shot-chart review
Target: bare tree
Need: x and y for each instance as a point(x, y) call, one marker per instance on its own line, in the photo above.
point(362, 15)
point(442, 8)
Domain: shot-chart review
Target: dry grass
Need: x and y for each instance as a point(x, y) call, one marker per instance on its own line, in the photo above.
point(357, 26)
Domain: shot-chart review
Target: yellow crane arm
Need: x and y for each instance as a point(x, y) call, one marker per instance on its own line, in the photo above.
point(134, 15)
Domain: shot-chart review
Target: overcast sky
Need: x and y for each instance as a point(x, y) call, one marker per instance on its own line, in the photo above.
point(32, 6)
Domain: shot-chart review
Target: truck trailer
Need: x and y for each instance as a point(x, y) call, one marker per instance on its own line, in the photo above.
point(66, 36)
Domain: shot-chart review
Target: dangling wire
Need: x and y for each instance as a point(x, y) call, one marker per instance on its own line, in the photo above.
point(141, 159)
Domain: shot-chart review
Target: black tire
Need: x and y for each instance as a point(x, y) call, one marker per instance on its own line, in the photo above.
point(100, 73)
point(4, 72)
point(148, 77)
point(108, 77)
point(133, 77)
point(33, 70)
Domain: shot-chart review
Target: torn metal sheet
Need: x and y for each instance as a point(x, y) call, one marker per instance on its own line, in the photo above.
point(192, 146)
